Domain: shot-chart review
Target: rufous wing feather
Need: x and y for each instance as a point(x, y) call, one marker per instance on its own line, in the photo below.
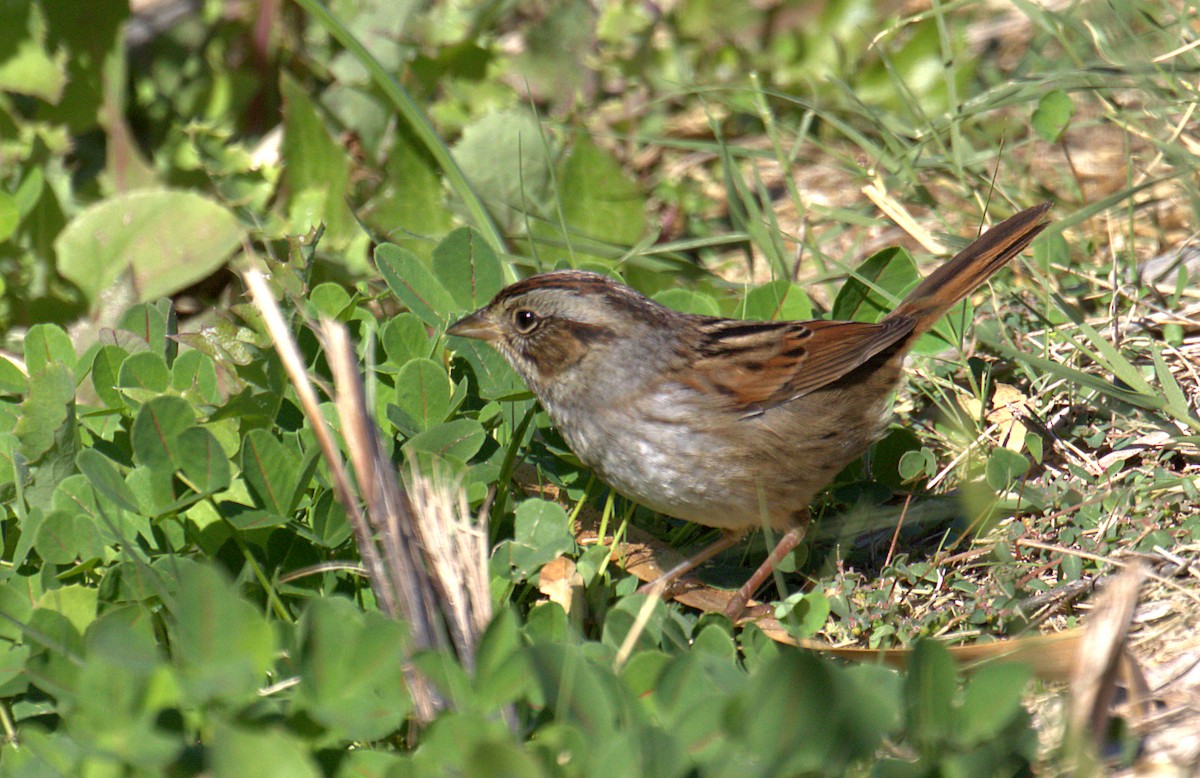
point(756, 365)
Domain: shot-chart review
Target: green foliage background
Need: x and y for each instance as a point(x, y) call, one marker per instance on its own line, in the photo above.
point(179, 589)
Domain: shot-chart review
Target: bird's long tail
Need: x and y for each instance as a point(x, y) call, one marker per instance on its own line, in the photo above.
point(970, 267)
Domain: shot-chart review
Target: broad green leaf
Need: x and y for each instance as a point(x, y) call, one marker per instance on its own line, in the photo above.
point(153, 488)
point(246, 518)
point(688, 301)
point(494, 377)
point(10, 217)
point(53, 634)
point(202, 460)
point(929, 692)
point(414, 284)
point(404, 339)
point(329, 300)
point(317, 168)
point(221, 644)
point(410, 207)
point(642, 671)
point(351, 670)
point(47, 413)
point(503, 155)
point(913, 76)
point(270, 470)
point(576, 689)
point(917, 464)
point(106, 366)
point(876, 286)
point(48, 432)
point(787, 717)
point(499, 757)
point(1053, 115)
point(991, 700)
point(168, 239)
point(143, 376)
point(105, 479)
point(542, 532)
point(599, 199)
point(467, 268)
point(268, 752)
point(804, 613)
point(29, 525)
point(194, 375)
point(156, 432)
point(149, 322)
point(76, 602)
point(778, 300)
point(43, 752)
point(27, 67)
point(502, 672)
point(12, 380)
point(1004, 467)
point(458, 439)
point(620, 619)
point(14, 680)
point(16, 606)
point(45, 345)
point(123, 688)
point(330, 527)
point(365, 763)
point(445, 747)
point(64, 538)
point(423, 392)
point(10, 469)
point(888, 453)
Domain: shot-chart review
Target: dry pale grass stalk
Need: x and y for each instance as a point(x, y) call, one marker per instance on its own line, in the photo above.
point(898, 213)
point(387, 508)
point(426, 561)
point(1104, 660)
point(456, 550)
point(289, 354)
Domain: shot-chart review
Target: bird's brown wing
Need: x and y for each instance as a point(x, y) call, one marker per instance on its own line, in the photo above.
point(752, 366)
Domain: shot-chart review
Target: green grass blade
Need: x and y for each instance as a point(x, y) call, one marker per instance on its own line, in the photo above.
point(1108, 388)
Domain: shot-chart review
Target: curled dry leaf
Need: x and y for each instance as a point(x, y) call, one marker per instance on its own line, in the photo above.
point(1008, 405)
point(561, 583)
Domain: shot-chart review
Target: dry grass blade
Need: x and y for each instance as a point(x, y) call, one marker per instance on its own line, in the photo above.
point(386, 505)
point(425, 560)
point(288, 352)
point(1105, 659)
point(456, 550)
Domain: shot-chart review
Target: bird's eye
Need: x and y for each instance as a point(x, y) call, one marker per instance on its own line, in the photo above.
point(525, 319)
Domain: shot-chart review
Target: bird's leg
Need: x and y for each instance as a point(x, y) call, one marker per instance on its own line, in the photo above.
point(789, 541)
point(663, 583)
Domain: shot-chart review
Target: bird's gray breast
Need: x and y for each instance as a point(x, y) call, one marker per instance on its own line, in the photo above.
point(659, 450)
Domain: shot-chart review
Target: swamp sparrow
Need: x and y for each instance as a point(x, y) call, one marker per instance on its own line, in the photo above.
point(730, 424)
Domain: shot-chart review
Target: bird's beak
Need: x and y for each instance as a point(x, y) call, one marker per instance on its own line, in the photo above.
point(478, 325)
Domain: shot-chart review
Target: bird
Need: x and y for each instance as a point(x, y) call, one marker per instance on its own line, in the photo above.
point(728, 423)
